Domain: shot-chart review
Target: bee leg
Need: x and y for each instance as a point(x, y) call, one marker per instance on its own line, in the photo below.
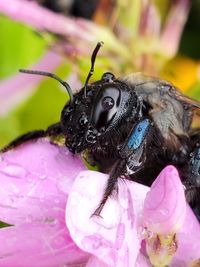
point(192, 182)
point(130, 155)
point(111, 186)
point(193, 198)
point(196, 207)
point(52, 130)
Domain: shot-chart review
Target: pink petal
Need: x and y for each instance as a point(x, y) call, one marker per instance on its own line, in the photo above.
point(75, 30)
point(142, 261)
point(188, 241)
point(95, 262)
point(165, 204)
point(30, 13)
point(113, 239)
point(39, 245)
point(174, 26)
point(150, 22)
point(35, 181)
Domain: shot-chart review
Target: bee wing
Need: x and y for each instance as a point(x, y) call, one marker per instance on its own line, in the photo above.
point(167, 105)
point(187, 100)
point(147, 86)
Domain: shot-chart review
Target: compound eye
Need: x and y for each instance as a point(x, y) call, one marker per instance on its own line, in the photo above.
point(107, 103)
point(105, 107)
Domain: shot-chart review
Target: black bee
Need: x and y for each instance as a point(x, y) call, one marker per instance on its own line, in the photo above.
point(132, 127)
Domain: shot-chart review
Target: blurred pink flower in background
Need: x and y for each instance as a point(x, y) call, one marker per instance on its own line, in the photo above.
point(25, 84)
point(39, 181)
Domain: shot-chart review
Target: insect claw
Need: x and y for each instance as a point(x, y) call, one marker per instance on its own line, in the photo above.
point(95, 214)
point(98, 211)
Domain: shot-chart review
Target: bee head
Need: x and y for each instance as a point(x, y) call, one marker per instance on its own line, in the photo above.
point(88, 119)
point(94, 110)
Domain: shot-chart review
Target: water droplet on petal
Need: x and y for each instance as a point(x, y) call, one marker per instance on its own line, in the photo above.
point(164, 212)
point(14, 171)
point(145, 233)
point(51, 221)
point(43, 177)
point(149, 234)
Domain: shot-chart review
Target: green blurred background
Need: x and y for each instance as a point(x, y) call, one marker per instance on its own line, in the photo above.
point(22, 46)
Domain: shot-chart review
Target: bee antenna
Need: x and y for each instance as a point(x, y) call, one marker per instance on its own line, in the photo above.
point(93, 58)
point(51, 75)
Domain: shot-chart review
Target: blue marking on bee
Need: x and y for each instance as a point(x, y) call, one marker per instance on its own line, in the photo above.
point(138, 134)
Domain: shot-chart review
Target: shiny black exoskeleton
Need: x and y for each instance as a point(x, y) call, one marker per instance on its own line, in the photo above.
point(131, 127)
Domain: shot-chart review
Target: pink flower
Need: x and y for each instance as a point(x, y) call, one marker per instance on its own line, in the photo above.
point(113, 239)
point(35, 181)
point(39, 181)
